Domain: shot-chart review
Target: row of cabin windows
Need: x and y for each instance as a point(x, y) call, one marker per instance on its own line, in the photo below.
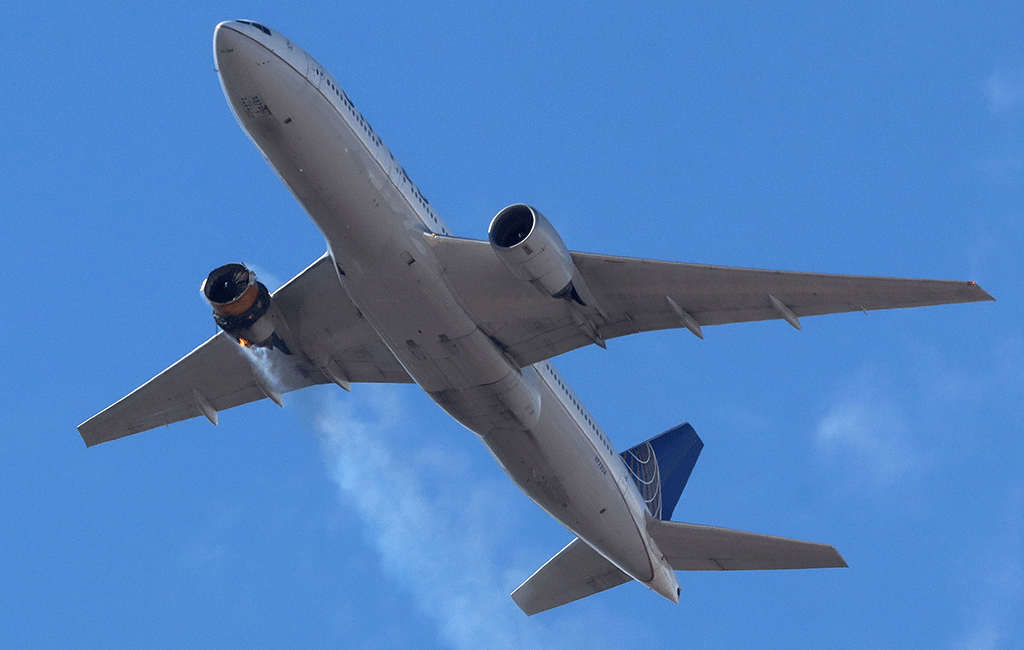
point(340, 94)
point(579, 407)
point(420, 198)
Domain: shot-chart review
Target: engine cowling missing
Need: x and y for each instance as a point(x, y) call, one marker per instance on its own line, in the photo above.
point(243, 308)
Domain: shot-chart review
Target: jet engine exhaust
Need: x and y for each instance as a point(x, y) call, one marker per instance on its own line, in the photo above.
point(242, 306)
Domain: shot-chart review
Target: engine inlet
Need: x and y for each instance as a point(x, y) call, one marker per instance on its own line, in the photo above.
point(231, 289)
point(241, 305)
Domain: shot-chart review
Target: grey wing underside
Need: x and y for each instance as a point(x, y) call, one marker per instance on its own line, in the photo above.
point(331, 331)
point(632, 295)
point(575, 572)
point(578, 571)
point(638, 295)
point(694, 547)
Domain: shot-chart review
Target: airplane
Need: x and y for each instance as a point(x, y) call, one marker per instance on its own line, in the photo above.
point(397, 298)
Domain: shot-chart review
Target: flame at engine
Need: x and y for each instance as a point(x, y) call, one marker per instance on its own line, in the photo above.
point(243, 308)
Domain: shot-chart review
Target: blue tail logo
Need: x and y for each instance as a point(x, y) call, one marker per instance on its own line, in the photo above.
point(661, 467)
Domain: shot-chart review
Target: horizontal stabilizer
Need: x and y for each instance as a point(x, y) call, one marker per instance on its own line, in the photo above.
point(690, 547)
point(577, 571)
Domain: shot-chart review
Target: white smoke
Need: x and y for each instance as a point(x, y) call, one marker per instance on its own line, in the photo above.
point(442, 533)
point(276, 370)
point(447, 536)
point(1005, 91)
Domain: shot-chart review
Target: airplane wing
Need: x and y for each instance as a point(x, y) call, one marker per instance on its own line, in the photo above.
point(691, 547)
point(639, 295)
point(219, 375)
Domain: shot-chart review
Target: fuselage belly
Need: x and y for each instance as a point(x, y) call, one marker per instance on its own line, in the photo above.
point(378, 229)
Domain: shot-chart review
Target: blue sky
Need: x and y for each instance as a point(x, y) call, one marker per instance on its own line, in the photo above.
point(874, 138)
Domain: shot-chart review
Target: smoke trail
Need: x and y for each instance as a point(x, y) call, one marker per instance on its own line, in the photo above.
point(446, 535)
point(274, 369)
point(430, 518)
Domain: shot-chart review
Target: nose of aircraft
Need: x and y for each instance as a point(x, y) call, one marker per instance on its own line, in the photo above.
point(240, 44)
point(249, 28)
point(247, 40)
point(226, 39)
point(230, 33)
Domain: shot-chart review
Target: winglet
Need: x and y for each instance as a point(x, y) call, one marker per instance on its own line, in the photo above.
point(981, 293)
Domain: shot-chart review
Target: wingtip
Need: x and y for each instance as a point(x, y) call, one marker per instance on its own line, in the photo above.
point(838, 561)
point(94, 435)
point(90, 440)
point(980, 295)
point(85, 436)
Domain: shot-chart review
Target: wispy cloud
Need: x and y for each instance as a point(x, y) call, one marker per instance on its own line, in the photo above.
point(1005, 92)
point(447, 536)
point(1000, 579)
point(866, 433)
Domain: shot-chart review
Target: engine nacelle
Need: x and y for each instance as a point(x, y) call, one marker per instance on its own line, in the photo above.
point(530, 247)
point(243, 308)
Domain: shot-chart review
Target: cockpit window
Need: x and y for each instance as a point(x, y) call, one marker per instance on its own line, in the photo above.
point(256, 25)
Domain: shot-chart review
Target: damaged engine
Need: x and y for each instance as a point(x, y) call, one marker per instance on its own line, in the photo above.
point(243, 308)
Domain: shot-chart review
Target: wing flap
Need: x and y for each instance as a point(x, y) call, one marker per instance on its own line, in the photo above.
point(691, 547)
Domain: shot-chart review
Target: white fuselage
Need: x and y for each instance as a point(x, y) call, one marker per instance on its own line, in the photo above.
point(379, 228)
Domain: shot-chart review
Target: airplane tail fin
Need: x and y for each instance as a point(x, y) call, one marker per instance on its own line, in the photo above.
point(661, 467)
